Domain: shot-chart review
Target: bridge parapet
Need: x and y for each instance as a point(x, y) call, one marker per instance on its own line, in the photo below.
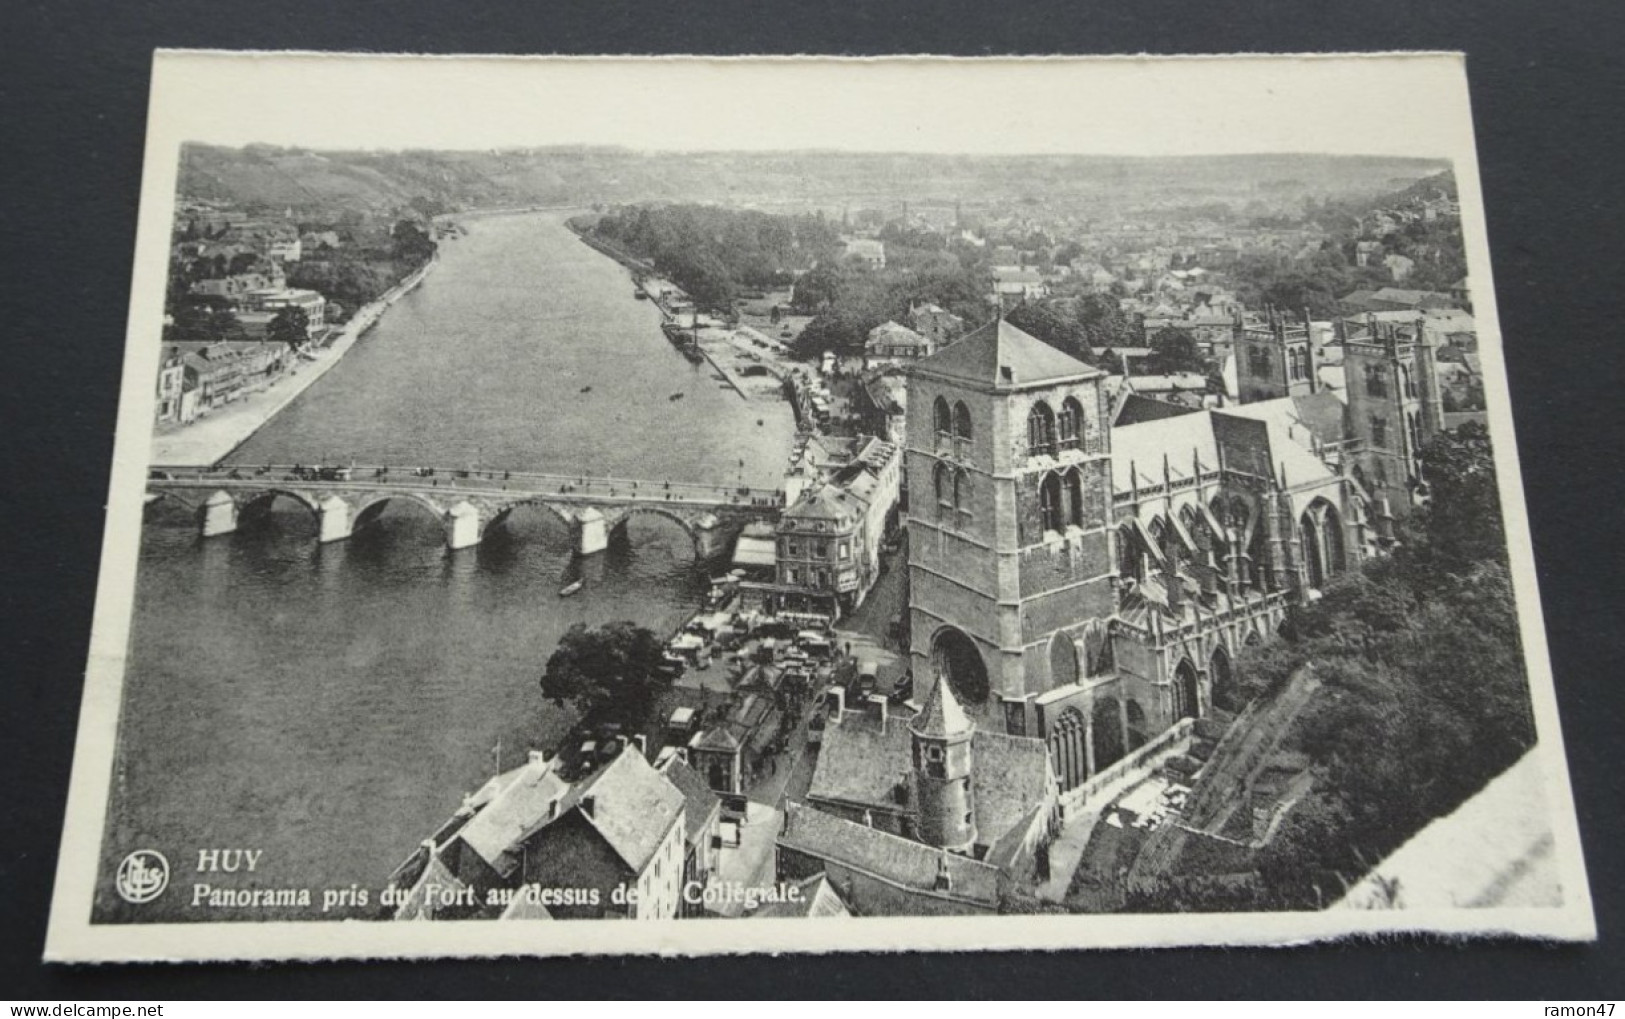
point(467, 503)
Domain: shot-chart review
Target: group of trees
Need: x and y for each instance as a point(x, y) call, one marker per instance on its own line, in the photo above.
point(1078, 325)
point(1423, 695)
point(713, 252)
point(848, 298)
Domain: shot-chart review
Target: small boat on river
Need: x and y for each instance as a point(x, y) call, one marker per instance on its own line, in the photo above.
point(572, 587)
point(675, 397)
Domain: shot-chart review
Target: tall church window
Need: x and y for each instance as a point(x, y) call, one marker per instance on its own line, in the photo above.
point(1376, 380)
point(962, 431)
point(1070, 423)
point(962, 494)
point(1407, 384)
point(1379, 431)
point(1041, 430)
point(1074, 498)
point(1258, 359)
point(943, 481)
point(943, 422)
point(1049, 502)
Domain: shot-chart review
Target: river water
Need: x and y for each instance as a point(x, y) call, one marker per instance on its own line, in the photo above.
point(328, 705)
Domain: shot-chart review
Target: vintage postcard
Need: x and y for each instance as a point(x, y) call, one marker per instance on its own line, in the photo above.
point(809, 505)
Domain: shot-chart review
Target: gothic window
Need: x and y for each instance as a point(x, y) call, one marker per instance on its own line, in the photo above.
point(1259, 361)
point(1049, 503)
point(962, 422)
point(1070, 423)
point(943, 421)
point(1128, 554)
point(1406, 382)
point(1376, 380)
point(1294, 361)
point(1074, 498)
point(962, 494)
point(943, 480)
point(1041, 430)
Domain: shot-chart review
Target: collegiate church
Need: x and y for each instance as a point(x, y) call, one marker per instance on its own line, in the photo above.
point(1078, 589)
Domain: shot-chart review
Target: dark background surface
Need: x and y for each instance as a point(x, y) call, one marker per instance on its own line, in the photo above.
point(1547, 85)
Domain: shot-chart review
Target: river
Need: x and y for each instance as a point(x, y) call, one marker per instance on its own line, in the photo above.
point(329, 705)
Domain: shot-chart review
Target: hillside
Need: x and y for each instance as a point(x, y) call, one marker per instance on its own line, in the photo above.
point(331, 181)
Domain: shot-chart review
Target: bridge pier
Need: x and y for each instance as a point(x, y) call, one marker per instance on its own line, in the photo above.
point(462, 526)
point(591, 532)
point(218, 515)
point(711, 537)
point(335, 519)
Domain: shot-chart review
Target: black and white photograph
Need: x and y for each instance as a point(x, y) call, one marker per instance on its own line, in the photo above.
point(1072, 502)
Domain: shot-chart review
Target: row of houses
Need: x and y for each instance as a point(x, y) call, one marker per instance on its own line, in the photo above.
point(196, 378)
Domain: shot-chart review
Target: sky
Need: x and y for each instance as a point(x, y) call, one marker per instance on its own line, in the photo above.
point(1402, 105)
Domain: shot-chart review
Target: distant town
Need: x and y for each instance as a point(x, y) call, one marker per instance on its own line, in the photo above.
point(1133, 559)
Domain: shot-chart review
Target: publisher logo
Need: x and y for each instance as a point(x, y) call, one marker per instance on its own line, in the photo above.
point(142, 876)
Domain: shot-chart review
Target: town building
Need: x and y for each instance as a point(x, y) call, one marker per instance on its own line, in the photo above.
point(831, 534)
point(921, 813)
point(258, 308)
point(1015, 285)
point(171, 384)
point(871, 252)
point(219, 372)
point(890, 343)
point(622, 824)
point(238, 285)
point(936, 323)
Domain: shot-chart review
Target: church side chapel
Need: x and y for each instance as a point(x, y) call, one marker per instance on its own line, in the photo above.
point(1079, 592)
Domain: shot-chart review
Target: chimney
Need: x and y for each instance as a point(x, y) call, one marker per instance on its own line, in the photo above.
point(945, 881)
point(838, 698)
point(642, 743)
point(877, 704)
point(536, 757)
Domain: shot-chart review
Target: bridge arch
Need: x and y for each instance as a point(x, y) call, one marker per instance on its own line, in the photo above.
point(505, 510)
point(267, 496)
point(366, 512)
point(163, 495)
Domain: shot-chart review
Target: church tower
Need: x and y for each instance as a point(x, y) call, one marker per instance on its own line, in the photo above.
point(1274, 360)
point(942, 737)
point(1395, 407)
point(1009, 474)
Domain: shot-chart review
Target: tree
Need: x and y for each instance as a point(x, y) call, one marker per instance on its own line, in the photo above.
point(612, 673)
point(412, 245)
point(291, 326)
point(1461, 523)
point(1174, 351)
point(1045, 323)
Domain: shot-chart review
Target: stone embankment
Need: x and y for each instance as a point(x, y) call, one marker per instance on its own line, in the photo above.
point(212, 438)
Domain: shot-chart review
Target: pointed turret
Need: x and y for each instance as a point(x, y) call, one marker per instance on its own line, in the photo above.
point(943, 735)
point(942, 717)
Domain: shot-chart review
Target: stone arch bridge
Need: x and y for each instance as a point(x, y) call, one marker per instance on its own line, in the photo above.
point(467, 502)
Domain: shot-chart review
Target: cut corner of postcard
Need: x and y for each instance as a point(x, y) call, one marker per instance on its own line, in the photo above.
point(916, 490)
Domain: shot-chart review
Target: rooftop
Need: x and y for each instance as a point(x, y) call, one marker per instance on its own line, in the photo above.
point(911, 865)
point(1003, 357)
